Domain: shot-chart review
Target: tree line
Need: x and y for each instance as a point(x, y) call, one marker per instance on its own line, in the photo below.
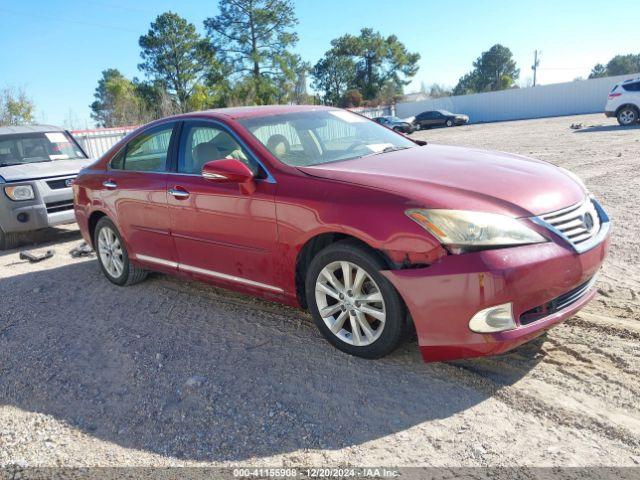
point(618, 65)
point(245, 57)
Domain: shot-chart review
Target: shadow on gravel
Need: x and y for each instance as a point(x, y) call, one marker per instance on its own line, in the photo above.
point(190, 371)
point(607, 128)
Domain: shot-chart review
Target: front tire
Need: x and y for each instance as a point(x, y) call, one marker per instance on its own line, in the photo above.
point(8, 240)
point(113, 256)
point(353, 305)
point(628, 116)
point(449, 123)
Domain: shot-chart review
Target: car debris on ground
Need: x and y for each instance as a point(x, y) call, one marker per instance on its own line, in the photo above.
point(82, 250)
point(35, 257)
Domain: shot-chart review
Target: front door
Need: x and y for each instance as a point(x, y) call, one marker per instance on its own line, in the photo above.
point(220, 232)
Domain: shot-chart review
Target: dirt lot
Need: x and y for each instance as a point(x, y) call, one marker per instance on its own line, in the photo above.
point(176, 373)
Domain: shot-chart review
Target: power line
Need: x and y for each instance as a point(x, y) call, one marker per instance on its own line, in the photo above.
point(66, 20)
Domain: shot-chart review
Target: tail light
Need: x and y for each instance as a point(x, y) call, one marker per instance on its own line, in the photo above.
point(614, 95)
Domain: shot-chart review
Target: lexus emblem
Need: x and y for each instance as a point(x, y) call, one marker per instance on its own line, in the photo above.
point(68, 182)
point(587, 221)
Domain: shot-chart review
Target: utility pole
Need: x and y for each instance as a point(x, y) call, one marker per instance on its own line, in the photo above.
point(534, 67)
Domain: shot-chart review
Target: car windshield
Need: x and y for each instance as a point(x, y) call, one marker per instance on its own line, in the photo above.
point(20, 149)
point(445, 112)
point(395, 119)
point(317, 137)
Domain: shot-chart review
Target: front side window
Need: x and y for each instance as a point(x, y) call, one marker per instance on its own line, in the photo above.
point(20, 149)
point(205, 143)
point(145, 153)
point(313, 138)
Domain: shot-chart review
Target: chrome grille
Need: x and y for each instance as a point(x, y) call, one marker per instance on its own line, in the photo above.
point(578, 224)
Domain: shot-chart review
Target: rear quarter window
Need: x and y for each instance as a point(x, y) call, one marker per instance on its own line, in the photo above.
point(632, 87)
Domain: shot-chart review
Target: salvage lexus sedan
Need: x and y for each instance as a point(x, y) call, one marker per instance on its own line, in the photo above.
point(375, 233)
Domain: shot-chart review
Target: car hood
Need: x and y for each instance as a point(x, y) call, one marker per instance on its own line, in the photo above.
point(439, 176)
point(32, 171)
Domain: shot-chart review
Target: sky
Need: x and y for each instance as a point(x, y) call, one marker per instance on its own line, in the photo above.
point(56, 49)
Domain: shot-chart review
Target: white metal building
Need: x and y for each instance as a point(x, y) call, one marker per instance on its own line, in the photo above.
point(571, 98)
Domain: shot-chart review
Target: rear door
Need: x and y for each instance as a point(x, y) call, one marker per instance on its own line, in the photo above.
point(135, 188)
point(222, 233)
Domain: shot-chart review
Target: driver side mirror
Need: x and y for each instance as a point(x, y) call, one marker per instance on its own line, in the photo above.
point(229, 170)
point(422, 143)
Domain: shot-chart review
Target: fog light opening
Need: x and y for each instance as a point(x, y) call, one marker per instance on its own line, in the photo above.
point(493, 319)
point(23, 217)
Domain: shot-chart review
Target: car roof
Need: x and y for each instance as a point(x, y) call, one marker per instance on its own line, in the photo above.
point(11, 130)
point(256, 111)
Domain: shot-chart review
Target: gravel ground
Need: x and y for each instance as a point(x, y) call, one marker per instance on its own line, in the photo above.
point(170, 372)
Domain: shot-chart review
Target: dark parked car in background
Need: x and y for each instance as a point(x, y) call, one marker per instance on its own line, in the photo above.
point(439, 118)
point(396, 124)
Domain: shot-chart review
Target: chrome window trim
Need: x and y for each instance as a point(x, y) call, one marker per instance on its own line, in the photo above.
point(605, 226)
point(211, 273)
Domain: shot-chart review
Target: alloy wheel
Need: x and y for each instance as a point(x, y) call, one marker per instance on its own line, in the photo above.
point(627, 117)
point(350, 303)
point(110, 251)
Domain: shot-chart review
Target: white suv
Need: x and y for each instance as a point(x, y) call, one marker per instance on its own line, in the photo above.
point(624, 102)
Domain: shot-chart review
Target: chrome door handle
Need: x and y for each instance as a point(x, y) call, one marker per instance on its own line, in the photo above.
point(178, 193)
point(109, 184)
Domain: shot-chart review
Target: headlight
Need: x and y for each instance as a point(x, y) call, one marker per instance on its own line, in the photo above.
point(20, 192)
point(462, 230)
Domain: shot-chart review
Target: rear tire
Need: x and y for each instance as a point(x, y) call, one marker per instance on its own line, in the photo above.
point(366, 301)
point(113, 256)
point(628, 116)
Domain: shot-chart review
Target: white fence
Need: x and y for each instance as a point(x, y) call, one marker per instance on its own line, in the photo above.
point(97, 141)
point(572, 98)
point(373, 112)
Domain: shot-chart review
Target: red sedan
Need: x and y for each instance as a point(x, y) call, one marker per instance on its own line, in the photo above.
point(375, 233)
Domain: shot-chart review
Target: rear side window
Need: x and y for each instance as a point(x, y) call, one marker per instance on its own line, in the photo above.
point(632, 87)
point(146, 153)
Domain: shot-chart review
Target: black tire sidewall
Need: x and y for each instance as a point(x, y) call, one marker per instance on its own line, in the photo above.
point(122, 279)
point(395, 310)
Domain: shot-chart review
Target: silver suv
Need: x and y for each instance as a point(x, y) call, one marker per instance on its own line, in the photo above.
point(37, 167)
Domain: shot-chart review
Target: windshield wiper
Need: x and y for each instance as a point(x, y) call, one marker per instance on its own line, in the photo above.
point(10, 164)
point(384, 150)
